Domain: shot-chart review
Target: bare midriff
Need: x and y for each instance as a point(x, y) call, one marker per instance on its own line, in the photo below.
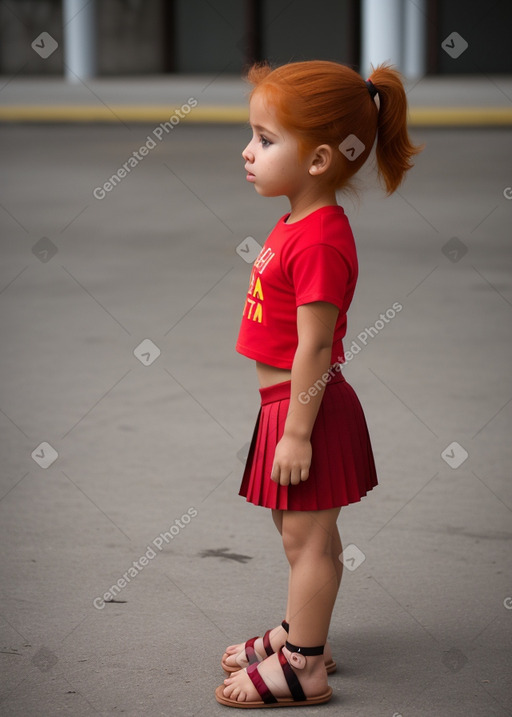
point(269, 375)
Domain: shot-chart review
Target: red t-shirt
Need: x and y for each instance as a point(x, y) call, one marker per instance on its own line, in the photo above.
point(313, 259)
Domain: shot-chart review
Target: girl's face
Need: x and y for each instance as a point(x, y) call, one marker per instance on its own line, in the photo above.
point(271, 157)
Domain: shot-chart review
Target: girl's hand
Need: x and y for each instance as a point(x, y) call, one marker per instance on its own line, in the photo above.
point(292, 460)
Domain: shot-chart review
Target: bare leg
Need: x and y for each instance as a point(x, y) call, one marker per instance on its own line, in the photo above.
point(311, 541)
point(337, 549)
point(278, 636)
point(277, 517)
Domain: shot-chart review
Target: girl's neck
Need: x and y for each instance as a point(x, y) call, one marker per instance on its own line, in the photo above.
point(304, 206)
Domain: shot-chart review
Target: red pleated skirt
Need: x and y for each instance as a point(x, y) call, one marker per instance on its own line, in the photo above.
point(342, 468)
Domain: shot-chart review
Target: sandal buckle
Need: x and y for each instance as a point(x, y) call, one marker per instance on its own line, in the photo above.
point(297, 660)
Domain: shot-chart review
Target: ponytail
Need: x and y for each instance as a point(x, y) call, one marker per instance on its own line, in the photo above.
point(394, 148)
point(325, 102)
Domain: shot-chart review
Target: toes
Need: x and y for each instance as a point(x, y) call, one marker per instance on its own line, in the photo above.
point(235, 689)
point(232, 649)
point(228, 692)
point(232, 692)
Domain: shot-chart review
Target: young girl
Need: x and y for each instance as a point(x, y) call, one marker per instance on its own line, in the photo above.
point(314, 124)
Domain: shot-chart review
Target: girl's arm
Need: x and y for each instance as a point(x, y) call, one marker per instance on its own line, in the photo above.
point(315, 327)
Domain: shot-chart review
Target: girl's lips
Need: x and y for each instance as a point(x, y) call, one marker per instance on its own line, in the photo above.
point(250, 176)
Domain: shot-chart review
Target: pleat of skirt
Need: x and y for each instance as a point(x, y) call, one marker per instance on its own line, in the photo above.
point(342, 468)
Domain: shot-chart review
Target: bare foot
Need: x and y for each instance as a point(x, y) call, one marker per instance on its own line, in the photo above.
point(313, 679)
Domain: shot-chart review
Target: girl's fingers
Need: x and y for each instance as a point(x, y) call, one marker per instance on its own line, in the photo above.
point(284, 478)
point(287, 476)
point(280, 475)
point(295, 477)
point(304, 474)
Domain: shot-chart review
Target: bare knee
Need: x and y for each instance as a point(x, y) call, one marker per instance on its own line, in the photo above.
point(304, 534)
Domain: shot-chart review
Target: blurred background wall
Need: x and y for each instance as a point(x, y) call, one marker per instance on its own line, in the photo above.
point(134, 37)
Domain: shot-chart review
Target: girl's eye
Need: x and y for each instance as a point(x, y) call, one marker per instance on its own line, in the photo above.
point(264, 141)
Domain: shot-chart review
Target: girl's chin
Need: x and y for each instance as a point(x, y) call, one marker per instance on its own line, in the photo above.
point(265, 192)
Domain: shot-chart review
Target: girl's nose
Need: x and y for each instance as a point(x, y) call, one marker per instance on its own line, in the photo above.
point(247, 154)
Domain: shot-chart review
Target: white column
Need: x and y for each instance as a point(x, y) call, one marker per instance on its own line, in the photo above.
point(79, 26)
point(381, 33)
point(415, 42)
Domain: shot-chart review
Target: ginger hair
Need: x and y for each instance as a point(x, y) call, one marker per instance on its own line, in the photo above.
point(323, 102)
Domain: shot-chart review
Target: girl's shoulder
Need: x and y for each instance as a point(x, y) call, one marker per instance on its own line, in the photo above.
point(326, 226)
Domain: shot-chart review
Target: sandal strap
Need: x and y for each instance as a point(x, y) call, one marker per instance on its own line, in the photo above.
point(291, 679)
point(285, 625)
point(250, 653)
point(266, 643)
point(261, 687)
point(305, 650)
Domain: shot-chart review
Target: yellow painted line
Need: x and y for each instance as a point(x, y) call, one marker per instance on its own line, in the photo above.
point(127, 113)
point(460, 116)
point(418, 116)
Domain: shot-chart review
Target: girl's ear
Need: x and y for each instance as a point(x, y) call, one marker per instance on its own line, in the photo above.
point(320, 160)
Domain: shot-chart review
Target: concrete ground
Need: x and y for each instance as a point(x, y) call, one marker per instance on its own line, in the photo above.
point(125, 413)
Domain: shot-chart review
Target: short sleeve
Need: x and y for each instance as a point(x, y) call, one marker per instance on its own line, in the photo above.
point(320, 273)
